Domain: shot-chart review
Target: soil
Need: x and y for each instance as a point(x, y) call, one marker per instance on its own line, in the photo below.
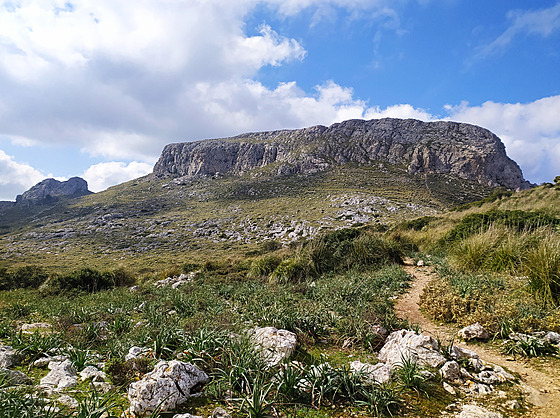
point(542, 387)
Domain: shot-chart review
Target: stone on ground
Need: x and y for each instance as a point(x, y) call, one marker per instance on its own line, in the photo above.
point(405, 344)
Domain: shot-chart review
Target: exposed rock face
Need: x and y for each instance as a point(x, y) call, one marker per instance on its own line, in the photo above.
point(50, 190)
point(459, 149)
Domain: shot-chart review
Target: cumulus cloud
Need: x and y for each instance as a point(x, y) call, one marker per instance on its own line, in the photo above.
point(530, 131)
point(103, 175)
point(16, 177)
point(535, 22)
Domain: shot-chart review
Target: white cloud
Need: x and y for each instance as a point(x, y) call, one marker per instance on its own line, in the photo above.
point(402, 111)
point(103, 175)
point(15, 178)
point(538, 22)
point(530, 131)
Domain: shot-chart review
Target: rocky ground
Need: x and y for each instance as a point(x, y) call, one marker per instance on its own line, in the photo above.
point(540, 387)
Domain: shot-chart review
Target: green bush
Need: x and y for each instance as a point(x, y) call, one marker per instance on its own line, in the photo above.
point(542, 267)
point(87, 280)
point(264, 266)
point(23, 277)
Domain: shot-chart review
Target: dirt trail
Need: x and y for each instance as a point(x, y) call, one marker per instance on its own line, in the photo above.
point(543, 389)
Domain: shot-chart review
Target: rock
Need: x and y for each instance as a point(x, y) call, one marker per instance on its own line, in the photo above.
point(448, 388)
point(103, 387)
point(44, 361)
point(475, 411)
point(473, 332)
point(407, 344)
point(91, 372)
point(62, 375)
point(31, 328)
point(451, 371)
point(68, 401)
point(186, 416)
point(457, 149)
point(49, 191)
point(476, 388)
point(8, 357)
point(420, 263)
point(14, 377)
point(552, 338)
point(379, 330)
point(220, 413)
point(274, 344)
point(490, 378)
point(135, 352)
point(380, 372)
point(169, 385)
point(460, 353)
point(499, 370)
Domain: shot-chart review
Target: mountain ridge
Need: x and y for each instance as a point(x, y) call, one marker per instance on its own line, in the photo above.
point(463, 150)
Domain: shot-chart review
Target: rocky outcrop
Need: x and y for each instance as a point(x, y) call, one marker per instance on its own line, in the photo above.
point(459, 149)
point(51, 190)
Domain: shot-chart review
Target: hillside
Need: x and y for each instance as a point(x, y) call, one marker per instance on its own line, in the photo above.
point(231, 195)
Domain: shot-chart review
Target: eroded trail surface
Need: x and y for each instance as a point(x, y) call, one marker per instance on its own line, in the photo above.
point(543, 389)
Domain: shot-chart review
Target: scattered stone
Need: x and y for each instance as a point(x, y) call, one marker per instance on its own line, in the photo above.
point(475, 411)
point(62, 375)
point(14, 377)
point(513, 404)
point(275, 344)
point(169, 385)
point(68, 401)
point(405, 344)
point(44, 361)
point(490, 378)
point(103, 387)
point(460, 353)
point(552, 338)
point(420, 263)
point(451, 371)
point(31, 328)
point(186, 416)
point(220, 413)
point(380, 372)
point(476, 388)
point(91, 372)
point(448, 388)
point(8, 357)
point(135, 352)
point(379, 330)
point(474, 332)
point(499, 370)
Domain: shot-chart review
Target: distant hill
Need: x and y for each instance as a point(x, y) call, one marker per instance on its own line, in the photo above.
point(229, 196)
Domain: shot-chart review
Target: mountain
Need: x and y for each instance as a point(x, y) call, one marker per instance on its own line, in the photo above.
point(466, 151)
point(49, 191)
point(221, 197)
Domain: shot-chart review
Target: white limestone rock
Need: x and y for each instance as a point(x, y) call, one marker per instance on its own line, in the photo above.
point(404, 344)
point(474, 332)
point(39, 326)
point(91, 372)
point(8, 357)
point(379, 373)
point(169, 385)
point(61, 376)
point(475, 411)
point(14, 377)
point(274, 344)
point(451, 371)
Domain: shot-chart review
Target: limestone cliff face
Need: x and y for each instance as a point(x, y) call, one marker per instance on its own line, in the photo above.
point(459, 149)
point(50, 190)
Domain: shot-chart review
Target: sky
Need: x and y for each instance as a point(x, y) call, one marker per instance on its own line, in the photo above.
point(97, 88)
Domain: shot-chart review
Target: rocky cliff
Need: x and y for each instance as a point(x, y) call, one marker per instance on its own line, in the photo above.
point(50, 190)
point(466, 151)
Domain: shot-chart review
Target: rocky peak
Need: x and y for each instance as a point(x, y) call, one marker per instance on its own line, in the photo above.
point(50, 190)
point(463, 150)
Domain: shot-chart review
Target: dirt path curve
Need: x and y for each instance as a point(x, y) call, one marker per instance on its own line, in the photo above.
point(543, 389)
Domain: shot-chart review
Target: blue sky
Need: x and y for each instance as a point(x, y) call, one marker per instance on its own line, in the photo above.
point(96, 89)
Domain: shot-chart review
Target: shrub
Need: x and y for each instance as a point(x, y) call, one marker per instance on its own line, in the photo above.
point(87, 280)
point(542, 267)
point(292, 270)
point(264, 266)
point(23, 277)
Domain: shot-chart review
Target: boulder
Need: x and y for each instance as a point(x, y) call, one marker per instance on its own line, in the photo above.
point(169, 385)
point(91, 372)
point(220, 413)
point(474, 332)
point(475, 411)
point(38, 326)
point(379, 373)
point(14, 377)
point(135, 352)
point(61, 376)
point(274, 344)
point(552, 338)
point(44, 361)
point(8, 357)
point(451, 371)
point(460, 353)
point(405, 344)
